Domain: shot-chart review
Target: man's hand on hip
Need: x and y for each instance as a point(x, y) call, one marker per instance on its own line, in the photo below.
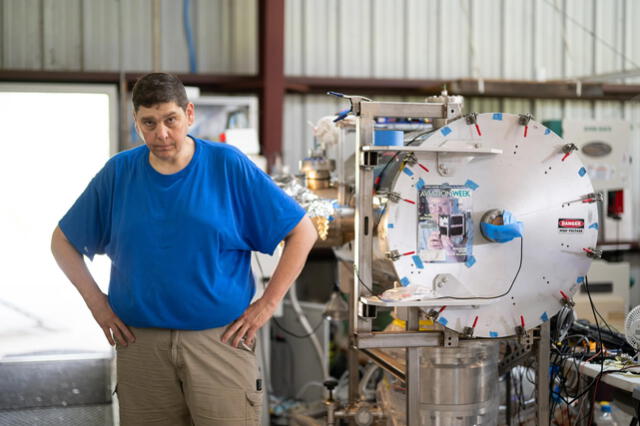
point(246, 327)
point(112, 326)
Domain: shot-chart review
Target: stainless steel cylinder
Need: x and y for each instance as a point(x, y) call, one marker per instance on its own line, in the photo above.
point(459, 385)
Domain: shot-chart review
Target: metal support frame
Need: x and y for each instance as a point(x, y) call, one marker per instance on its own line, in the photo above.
point(360, 329)
point(542, 348)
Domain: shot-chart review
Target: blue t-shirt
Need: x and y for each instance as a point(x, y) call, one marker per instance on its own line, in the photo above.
point(180, 244)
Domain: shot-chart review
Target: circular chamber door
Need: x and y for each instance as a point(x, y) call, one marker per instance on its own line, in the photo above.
point(536, 200)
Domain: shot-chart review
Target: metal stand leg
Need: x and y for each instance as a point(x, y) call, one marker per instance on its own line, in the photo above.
point(413, 373)
point(543, 348)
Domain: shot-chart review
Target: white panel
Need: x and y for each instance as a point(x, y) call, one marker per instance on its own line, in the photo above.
point(487, 38)
point(632, 114)
point(62, 40)
point(355, 38)
point(244, 50)
point(389, 43)
point(580, 42)
point(518, 40)
point(174, 55)
point(100, 23)
point(454, 35)
point(605, 110)
point(320, 38)
point(549, 46)
point(578, 109)
point(136, 34)
point(548, 110)
point(293, 42)
point(212, 26)
point(609, 26)
point(21, 34)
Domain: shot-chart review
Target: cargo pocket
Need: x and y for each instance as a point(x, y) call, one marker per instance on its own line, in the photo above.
point(254, 408)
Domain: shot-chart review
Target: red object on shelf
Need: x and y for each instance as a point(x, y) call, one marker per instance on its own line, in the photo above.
point(615, 203)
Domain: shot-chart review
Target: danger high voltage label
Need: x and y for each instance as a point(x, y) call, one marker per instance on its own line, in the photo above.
point(570, 225)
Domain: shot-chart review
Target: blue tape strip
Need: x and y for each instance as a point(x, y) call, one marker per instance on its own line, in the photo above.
point(580, 280)
point(593, 225)
point(497, 116)
point(493, 334)
point(445, 131)
point(470, 261)
point(390, 225)
point(408, 171)
point(404, 281)
point(471, 184)
point(582, 171)
point(544, 317)
point(443, 320)
point(547, 131)
point(331, 218)
point(418, 262)
point(420, 184)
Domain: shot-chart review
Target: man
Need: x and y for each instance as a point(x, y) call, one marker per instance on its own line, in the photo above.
point(179, 217)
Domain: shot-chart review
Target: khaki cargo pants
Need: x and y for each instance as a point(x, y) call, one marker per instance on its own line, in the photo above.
point(184, 378)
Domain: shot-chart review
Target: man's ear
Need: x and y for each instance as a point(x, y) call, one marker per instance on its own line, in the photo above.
point(191, 113)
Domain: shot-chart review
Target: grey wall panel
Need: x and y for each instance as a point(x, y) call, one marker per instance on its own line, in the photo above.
point(355, 53)
point(293, 38)
point(632, 114)
point(454, 27)
point(21, 34)
point(487, 38)
point(100, 44)
point(518, 106)
point(549, 45)
point(548, 110)
point(389, 42)
point(578, 109)
point(137, 46)
point(213, 28)
point(320, 37)
point(422, 26)
point(518, 34)
point(580, 44)
point(174, 55)
point(631, 37)
point(609, 27)
point(607, 110)
point(244, 43)
point(62, 39)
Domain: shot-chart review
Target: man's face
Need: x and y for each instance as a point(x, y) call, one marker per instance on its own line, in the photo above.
point(164, 127)
point(439, 206)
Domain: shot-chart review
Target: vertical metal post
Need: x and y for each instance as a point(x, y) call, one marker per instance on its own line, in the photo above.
point(508, 399)
point(543, 349)
point(362, 274)
point(412, 372)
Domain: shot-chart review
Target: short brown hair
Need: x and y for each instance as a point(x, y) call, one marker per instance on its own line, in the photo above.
point(158, 88)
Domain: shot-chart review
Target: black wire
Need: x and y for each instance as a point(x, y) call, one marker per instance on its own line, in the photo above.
point(493, 297)
point(376, 187)
point(299, 336)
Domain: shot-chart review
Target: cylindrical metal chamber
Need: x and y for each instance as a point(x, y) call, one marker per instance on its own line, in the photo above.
point(458, 386)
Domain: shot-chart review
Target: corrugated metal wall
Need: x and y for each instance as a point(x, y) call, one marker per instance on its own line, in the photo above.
point(113, 35)
point(537, 39)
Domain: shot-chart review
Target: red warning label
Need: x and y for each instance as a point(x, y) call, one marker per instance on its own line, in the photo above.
point(570, 225)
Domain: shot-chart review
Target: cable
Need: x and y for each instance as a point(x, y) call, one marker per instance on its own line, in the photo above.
point(291, 333)
point(492, 297)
